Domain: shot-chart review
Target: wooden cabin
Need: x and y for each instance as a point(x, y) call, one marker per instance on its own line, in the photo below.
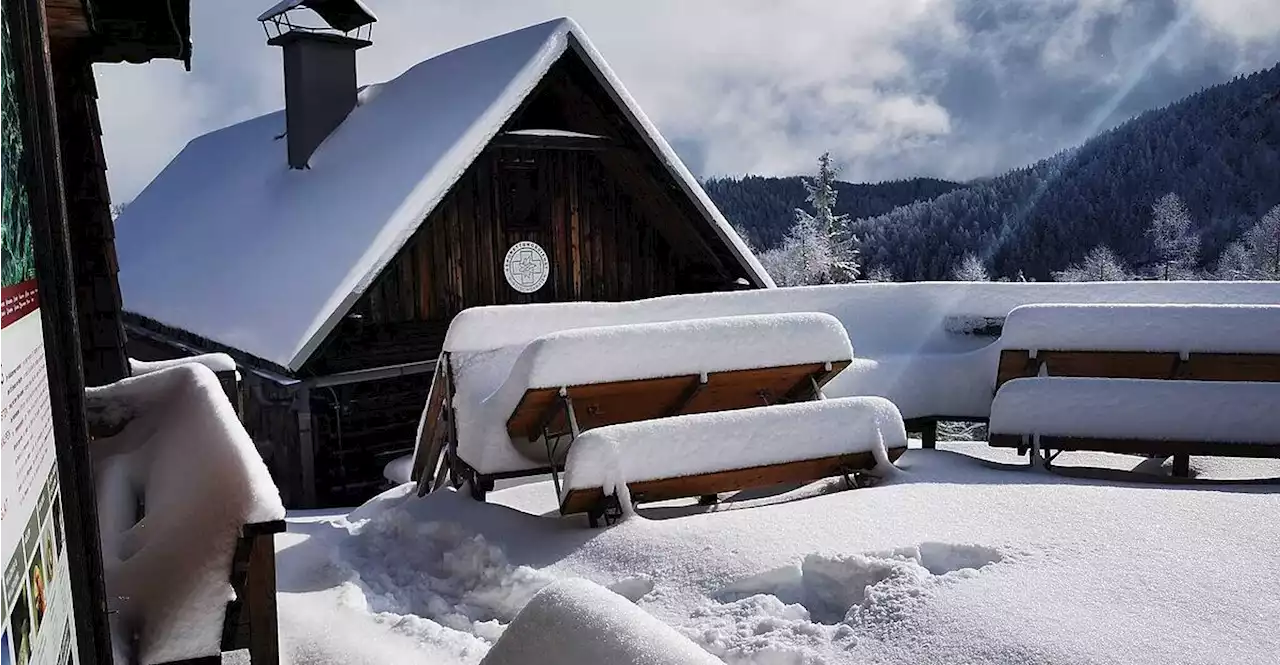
point(513, 170)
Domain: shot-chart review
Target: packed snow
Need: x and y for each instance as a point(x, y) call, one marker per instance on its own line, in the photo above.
point(218, 362)
point(320, 236)
point(577, 621)
point(180, 452)
point(610, 457)
point(954, 559)
point(1167, 328)
point(1153, 409)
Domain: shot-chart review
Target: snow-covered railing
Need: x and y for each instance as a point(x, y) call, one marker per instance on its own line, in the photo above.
point(186, 512)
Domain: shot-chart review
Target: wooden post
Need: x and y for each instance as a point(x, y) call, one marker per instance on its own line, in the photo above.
point(929, 434)
point(260, 588)
point(306, 447)
point(1182, 466)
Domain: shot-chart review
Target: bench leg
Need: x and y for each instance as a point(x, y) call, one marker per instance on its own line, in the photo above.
point(929, 435)
point(1182, 466)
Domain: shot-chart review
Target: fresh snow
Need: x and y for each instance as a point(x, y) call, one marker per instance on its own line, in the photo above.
point(675, 348)
point(1167, 328)
point(609, 457)
point(182, 453)
point(556, 133)
point(267, 259)
point(577, 621)
point(952, 560)
point(1171, 410)
point(218, 362)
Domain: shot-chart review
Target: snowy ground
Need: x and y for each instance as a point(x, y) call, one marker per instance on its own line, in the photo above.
point(958, 559)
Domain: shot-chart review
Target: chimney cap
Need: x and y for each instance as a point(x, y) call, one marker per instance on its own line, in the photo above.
point(341, 15)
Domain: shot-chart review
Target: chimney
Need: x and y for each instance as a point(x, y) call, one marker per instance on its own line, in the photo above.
point(319, 67)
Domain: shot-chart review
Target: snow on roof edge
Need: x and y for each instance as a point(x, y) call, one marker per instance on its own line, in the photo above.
point(649, 131)
point(488, 126)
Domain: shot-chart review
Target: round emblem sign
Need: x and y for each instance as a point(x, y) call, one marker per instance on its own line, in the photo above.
point(526, 267)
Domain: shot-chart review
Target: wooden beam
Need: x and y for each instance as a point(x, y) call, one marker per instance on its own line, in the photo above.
point(553, 142)
point(687, 396)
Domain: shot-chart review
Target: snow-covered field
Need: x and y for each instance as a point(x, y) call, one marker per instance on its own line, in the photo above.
point(957, 559)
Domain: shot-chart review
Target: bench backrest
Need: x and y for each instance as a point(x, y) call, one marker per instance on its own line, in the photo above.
point(1185, 342)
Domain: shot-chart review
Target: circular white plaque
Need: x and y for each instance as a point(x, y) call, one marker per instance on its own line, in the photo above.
point(526, 267)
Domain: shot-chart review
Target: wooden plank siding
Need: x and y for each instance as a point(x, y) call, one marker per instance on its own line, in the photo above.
point(615, 226)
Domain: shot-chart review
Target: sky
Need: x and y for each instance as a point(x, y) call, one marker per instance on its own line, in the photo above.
point(955, 89)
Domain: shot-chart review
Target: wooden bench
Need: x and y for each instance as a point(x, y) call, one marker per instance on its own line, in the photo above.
point(693, 455)
point(1120, 359)
point(544, 412)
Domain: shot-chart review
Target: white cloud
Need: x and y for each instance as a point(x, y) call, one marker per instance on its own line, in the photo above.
point(892, 87)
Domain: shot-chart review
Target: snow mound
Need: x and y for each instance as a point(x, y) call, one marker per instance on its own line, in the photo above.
point(218, 362)
point(1228, 411)
point(791, 614)
point(1167, 328)
point(398, 470)
point(577, 621)
point(609, 457)
point(183, 455)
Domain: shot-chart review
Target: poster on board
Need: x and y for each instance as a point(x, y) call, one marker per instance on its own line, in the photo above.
point(38, 622)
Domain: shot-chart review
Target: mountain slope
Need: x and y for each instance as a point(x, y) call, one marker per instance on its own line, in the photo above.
point(1218, 149)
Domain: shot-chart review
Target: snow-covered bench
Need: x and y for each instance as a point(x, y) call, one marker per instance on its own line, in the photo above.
point(1144, 375)
point(709, 453)
point(187, 513)
point(569, 382)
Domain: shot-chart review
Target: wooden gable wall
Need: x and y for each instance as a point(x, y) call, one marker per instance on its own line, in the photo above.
point(613, 223)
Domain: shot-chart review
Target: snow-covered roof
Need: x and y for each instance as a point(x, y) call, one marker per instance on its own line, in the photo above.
point(230, 244)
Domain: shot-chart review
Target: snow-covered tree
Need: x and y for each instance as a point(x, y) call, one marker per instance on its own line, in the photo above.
point(819, 248)
point(879, 273)
point(970, 269)
point(1262, 243)
point(1175, 246)
point(1235, 262)
point(1099, 265)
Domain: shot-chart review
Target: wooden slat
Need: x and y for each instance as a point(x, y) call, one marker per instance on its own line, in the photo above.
point(432, 430)
point(1145, 446)
point(1140, 365)
point(600, 404)
point(581, 501)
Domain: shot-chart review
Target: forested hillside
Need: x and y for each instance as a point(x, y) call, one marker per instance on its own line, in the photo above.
point(765, 207)
point(1218, 150)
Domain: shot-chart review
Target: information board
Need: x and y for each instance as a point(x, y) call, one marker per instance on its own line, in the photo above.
point(38, 619)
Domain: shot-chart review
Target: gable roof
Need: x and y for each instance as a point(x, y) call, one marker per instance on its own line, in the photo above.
point(230, 244)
